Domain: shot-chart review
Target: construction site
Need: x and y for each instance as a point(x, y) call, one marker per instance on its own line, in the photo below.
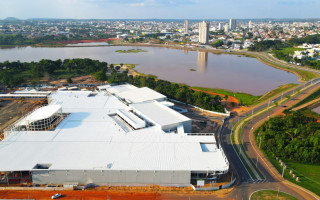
point(114, 136)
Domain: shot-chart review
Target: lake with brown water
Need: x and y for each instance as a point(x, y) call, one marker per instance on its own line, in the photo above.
point(231, 72)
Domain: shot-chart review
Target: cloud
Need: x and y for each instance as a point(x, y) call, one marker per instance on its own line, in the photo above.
point(137, 4)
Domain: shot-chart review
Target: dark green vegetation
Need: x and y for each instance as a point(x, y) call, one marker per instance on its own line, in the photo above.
point(244, 98)
point(277, 44)
point(286, 54)
point(293, 137)
point(217, 43)
point(271, 195)
point(131, 51)
point(24, 40)
point(309, 98)
point(15, 73)
point(307, 173)
point(284, 50)
point(172, 90)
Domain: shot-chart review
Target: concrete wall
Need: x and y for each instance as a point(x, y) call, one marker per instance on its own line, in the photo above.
point(187, 125)
point(109, 177)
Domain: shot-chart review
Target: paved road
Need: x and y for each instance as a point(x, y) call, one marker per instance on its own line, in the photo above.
point(245, 185)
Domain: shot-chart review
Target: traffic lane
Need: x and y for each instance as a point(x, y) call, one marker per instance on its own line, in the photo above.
point(232, 156)
point(246, 140)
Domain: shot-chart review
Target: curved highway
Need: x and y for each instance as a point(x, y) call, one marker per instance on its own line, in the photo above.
point(245, 185)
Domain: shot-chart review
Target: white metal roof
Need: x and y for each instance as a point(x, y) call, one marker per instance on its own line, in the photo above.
point(43, 112)
point(159, 113)
point(140, 95)
point(132, 119)
point(90, 139)
point(31, 92)
point(117, 88)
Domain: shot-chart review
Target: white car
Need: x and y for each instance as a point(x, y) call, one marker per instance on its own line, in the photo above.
point(56, 196)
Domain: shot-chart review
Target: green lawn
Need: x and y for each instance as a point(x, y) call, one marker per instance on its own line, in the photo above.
point(290, 50)
point(311, 97)
point(270, 195)
point(309, 174)
point(247, 99)
point(277, 91)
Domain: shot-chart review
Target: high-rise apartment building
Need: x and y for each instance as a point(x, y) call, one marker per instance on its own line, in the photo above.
point(226, 28)
point(220, 26)
point(250, 24)
point(232, 24)
point(186, 26)
point(204, 32)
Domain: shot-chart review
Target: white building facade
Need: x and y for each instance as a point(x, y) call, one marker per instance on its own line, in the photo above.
point(204, 32)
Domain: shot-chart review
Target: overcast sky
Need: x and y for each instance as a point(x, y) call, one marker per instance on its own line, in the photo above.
point(161, 9)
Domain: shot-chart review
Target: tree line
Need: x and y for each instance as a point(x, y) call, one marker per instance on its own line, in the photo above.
point(293, 137)
point(15, 73)
point(19, 39)
point(266, 45)
point(182, 93)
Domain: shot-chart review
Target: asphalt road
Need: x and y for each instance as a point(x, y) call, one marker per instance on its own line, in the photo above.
point(245, 185)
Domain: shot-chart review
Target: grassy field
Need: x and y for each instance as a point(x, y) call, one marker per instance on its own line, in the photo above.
point(309, 174)
point(131, 51)
point(290, 50)
point(246, 99)
point(311, 97)
point(276, 91)
point(304, 75)
point(270, 195)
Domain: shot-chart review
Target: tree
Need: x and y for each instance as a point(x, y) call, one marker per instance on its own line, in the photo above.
point(69, 80)
point(100, 76)
point(217, 43)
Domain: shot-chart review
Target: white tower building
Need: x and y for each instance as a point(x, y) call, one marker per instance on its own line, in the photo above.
point(204, 32)
point(226, 28)
point(250, 24)
point(232, 24)
point(186, 26)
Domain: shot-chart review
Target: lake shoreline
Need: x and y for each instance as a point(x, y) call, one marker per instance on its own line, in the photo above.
point(278, 65)
point(250, 65)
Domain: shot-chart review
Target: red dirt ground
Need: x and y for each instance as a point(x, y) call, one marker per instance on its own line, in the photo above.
point(227, 103)
point(230, 98)
point(91, 194)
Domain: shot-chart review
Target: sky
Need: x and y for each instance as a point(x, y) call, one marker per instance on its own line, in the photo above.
point(160, 9)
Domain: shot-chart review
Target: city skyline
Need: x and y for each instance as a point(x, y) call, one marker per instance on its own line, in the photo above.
point(162, 9)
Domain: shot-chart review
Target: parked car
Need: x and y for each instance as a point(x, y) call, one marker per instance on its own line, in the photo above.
point(56, 196)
